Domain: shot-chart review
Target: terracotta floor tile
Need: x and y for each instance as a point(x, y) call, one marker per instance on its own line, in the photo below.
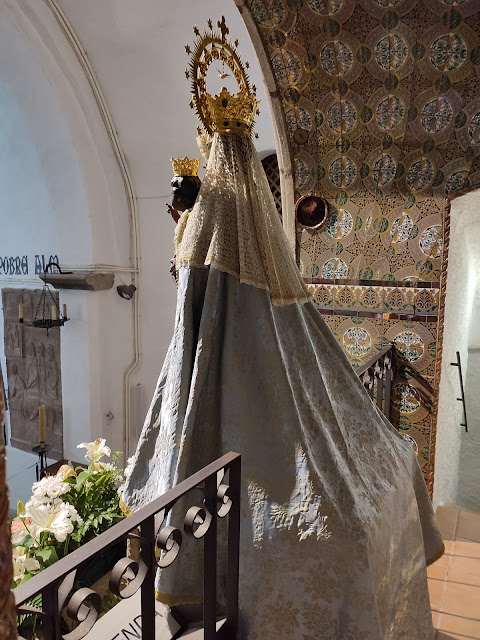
point(448, 547)
point(436, 588)
point(464, 626)
point(435, 615)
point(442, 635)
point(468, 526)
point(461, 599)
point(444, 560)
point(465, 570)
point(447, 520)
point(438, 570)
point(467, 548)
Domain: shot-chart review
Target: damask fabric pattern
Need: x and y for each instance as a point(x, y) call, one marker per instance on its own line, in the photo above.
point(336, 519)
point(388, 92)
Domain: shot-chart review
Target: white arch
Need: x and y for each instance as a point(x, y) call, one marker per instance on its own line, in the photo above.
point(73, 195)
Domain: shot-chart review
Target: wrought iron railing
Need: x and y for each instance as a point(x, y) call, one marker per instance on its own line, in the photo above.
point(376, 376)
point(57, 582)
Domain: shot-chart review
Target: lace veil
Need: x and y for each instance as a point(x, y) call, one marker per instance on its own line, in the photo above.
point(234, 225)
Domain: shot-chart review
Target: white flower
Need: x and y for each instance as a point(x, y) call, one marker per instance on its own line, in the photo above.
point(95, 450)
point(73, 513)
point(53, 518)
point(98, 467)
point(22, 563)
point(49, 488)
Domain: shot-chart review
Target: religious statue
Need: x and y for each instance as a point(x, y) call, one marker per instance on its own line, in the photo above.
point(185, 187)
point(336, 523)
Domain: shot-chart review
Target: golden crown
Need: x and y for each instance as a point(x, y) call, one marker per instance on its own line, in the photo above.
point(232, 112)
point(185, 166)
point(223, 112)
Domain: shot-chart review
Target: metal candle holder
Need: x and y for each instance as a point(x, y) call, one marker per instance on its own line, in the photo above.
point(41, 450)
point(40, 320)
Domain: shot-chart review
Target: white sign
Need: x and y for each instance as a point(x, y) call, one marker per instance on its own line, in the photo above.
point(124, 622)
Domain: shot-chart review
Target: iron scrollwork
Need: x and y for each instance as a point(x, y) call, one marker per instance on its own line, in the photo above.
point(128, 570)
point(83, 605)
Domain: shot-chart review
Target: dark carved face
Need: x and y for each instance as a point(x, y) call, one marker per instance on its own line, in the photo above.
point(184, 191)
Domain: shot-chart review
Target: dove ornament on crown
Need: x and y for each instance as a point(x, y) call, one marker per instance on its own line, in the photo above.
point(225, 112)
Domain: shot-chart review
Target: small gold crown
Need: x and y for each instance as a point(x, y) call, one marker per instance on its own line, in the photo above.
point(185, 166)
point(232, 112)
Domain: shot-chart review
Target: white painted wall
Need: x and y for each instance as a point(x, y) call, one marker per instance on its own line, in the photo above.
point(138, 53)
point(468, 486)
point(62, 193)
point(457, 469)
point(60, 183)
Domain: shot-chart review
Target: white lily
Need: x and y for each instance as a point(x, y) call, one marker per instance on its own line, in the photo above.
point(22, 563)
point(53, 518)
point(95, 450)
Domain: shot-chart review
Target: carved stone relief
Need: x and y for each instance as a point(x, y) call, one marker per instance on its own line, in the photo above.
point(33, 373)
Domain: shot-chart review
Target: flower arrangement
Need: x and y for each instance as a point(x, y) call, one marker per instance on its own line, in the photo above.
point(65, 511)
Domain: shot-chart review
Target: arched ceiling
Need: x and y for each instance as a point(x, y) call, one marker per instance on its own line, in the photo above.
point(137, 51)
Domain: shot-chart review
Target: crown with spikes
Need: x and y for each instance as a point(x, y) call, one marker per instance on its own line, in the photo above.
point(224, 112)
point(232, 112)
point(185, 166)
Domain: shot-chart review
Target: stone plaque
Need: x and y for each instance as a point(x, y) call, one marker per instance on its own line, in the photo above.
point(33, 373)
point(124, 622)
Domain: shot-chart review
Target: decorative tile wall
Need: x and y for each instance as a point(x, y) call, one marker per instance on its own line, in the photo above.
point(388, 92)
point(348, 297)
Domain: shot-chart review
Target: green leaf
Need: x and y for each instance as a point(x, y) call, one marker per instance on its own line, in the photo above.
point(28, 541)
point(20, 507)
point(83, 476)
point(47, 556)
point(26, 577)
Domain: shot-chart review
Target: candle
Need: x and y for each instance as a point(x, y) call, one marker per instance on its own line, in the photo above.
point(64, 310)
point(20, 311)
point(54, 312)
point(41, 426)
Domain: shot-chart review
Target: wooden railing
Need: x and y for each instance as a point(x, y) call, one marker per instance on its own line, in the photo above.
point(376, 375)
point(57, 583)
